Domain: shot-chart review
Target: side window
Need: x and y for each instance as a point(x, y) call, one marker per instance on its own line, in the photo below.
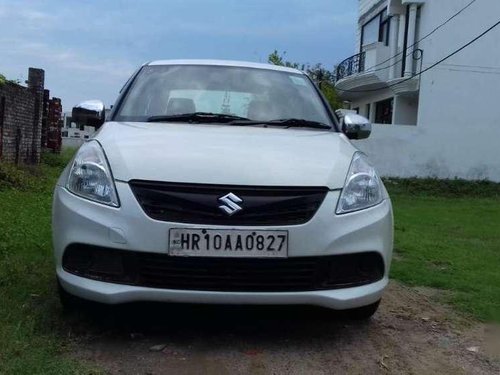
point(371, 31)
point(376, 30)
point(385, 29)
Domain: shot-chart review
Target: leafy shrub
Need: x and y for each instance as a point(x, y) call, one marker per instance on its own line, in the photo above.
point(452, 188)
point(15, 177)
point(34, 178)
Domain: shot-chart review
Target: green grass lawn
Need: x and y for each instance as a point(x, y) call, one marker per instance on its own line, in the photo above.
point(447, 236)
point(32, 326)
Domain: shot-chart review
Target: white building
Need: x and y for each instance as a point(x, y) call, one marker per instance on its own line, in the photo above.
point(73, 135)
point(445, 122)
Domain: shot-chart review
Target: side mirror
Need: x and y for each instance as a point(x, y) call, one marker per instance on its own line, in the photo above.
point(89, 113)
point(355, 126)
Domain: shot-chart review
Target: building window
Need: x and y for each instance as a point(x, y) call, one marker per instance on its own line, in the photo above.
point(385, 30)
point(370, 31)
point(368, 109)
point(376, 30)
point(383, 111)
point(356, 110)
point(86, 136)
point(64, 134)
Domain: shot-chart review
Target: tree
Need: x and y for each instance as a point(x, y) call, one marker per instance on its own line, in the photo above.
point(324, 78)
point(276, 59)
point(4, 80)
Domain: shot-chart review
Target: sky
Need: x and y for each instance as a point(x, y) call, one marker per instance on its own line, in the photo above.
point(88, 49)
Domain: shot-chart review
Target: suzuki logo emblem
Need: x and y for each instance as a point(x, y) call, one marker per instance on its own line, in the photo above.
point(230, 203)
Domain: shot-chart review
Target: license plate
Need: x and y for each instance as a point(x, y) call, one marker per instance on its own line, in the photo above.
point(228, 243)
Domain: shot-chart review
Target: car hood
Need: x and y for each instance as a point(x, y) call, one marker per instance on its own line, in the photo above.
point(228, 155)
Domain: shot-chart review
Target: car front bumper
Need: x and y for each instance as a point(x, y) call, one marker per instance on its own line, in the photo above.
point(76, 220)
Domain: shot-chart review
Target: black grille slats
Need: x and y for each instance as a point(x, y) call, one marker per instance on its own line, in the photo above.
point(223, 274)
point(226, 274)
point(199, 204)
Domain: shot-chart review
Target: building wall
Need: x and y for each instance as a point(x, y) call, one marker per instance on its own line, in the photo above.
point(70, 130)
point(458, 128)
point(369, 8)
point(405, 110)
point(20, 133)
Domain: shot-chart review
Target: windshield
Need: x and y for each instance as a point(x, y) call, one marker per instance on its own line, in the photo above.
point(250, 93)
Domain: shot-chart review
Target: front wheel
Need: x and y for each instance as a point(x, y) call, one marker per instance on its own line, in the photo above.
point(362, 313)
point(68, 301)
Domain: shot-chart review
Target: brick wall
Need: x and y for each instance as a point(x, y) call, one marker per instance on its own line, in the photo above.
point(51, 134)
point(21, 119)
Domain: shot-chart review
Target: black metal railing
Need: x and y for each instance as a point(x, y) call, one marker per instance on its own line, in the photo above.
point(352, 65)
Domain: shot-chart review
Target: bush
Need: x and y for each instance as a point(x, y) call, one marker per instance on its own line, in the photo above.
point(34, 178)
point(455, 188)
point(16, 177)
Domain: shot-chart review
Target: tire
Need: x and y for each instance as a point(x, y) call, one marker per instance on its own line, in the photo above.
point(68, 301)
point(363, 313)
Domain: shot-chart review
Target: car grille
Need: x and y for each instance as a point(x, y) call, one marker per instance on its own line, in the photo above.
point(223, 274)
point(199, 203)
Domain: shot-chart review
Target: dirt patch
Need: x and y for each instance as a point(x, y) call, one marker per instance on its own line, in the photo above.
point(411, 334)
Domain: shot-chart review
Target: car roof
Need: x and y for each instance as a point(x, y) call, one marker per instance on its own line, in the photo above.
point(244, 64)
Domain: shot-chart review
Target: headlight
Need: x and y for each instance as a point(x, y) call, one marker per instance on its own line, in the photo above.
point(90, 176)
point(362, 188)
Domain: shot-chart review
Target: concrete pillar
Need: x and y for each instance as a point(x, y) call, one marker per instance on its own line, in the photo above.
point(401, 32)
point(393, 44)
point(412, 26)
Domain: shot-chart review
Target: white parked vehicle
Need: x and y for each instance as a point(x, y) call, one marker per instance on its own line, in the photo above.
point(222, 182)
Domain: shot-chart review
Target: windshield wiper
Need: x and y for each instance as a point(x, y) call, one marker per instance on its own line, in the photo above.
point(207, 117)
point(288, 122)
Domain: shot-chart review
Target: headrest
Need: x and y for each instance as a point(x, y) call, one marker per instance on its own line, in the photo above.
point(179, 106)
point(261, 110)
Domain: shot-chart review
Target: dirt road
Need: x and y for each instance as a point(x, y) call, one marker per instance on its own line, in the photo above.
point(411, 334)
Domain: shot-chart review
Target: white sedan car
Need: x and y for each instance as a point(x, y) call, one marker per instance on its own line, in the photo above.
point(222, 182)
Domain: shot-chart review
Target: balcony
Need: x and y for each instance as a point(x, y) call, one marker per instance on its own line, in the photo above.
point(352, 65)
point(364, 71)
point(404, 86)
